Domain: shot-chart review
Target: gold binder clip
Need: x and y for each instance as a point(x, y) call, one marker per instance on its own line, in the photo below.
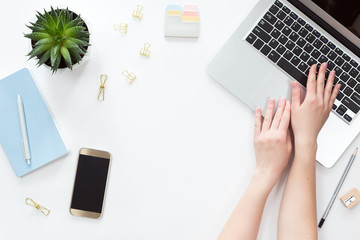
point(130, 77)
point(103, 79)
point(145, 51)
point(32, 203)
point(137, 13)
point(122, 27)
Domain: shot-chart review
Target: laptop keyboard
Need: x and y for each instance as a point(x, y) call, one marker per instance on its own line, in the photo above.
point(294, 45)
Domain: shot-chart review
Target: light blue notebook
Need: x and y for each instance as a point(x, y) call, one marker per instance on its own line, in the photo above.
point(45, 141)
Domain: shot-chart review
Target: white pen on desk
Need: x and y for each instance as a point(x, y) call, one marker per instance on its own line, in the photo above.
point(25, 140)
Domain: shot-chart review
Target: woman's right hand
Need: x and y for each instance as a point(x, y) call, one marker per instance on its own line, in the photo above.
point(308, 117)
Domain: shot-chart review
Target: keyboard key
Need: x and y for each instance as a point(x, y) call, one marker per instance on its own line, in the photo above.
point(332, 55)
point(251, 38)
point(310, 38)
point(343, 85)
point(301, 42)
point(346, 67)
point(334, 107)
point(292, 71)
point(336, 80)
point(323, 59)
point(353, 63)
point(338, 70)
point(274, 56)
point(294, 15)
point(341, 110)
point(315, 54)
point(273, 43)
point(317, 44)
point(286, 9)
point(354, 73)
point(331, 45)
point(265, 50)
point(346, 57)
point(348, 91)
point(303, 32)
point(295, 27)
point(258, 44)
point(356, 98)
point(286, 31)
point(357, 88)
point(351, 83)
point(304, 56)
point(294, 36)
point(282, 39)
point(279, 25)
point(270, 18)
point(339, 96)
point(339, 51)
point(278, 3)
point(339, 61)
point(274, 9)
point(265, 25)
point(261, 34)
point(331, 65)
point(280, 49)
point(301, 21)
point(297, 51)
point(324, 50)
point(295, 60)
point(316, 33)
point(288, 55)
point(324, 39)
point(275, 33)
point(308, 27)
point(303, 66)
point(288, 21)
point(347, 118)
point(311, 62)
point(308, 48)
point(281, 15)
point(350, 104)
point(290, 45)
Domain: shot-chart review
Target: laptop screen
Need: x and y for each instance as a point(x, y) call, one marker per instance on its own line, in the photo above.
point(347, 12)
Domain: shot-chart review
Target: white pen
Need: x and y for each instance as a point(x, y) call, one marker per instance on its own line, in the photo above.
point(25, 140)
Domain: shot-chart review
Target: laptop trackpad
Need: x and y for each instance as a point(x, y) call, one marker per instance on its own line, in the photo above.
point(276, 85)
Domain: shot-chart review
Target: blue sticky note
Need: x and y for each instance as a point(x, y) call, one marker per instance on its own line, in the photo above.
point(173, 7)
point(45, 141)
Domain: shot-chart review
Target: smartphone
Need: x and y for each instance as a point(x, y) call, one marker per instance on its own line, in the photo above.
point(90, 183)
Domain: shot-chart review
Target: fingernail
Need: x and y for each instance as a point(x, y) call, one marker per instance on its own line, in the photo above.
point(324, 64)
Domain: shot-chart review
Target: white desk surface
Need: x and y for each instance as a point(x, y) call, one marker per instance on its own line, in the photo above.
point(181, 144)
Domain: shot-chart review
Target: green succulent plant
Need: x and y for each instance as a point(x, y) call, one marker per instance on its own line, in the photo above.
point(59, 37)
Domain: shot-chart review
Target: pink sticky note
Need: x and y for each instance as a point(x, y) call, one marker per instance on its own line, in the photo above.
point(190, 8)
point(190, 14)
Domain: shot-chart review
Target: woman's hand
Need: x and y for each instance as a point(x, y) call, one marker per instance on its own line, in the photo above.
point(307, 118)
point(272, 139)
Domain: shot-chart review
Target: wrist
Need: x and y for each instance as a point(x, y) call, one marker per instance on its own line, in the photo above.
point(265, 179)
point(305, 143)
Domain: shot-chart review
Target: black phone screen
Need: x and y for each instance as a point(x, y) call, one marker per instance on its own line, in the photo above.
point(90, 183)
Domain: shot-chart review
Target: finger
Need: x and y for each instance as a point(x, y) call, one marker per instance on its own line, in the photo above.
point(334, 94)
point(257, 127)
point(329, 86)
point(285, 119)
point(295, 94)
point(279, 112)
point(321, 80)
point(268, 115)
point(311, 82)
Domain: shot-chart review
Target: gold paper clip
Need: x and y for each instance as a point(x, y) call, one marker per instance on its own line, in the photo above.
point(137, 13)
point(103, 79)
point(122, 27)
point(32, 203)
point(145, 51)
point(130, 77)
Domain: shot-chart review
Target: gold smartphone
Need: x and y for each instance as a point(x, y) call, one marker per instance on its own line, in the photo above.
point(90, 183)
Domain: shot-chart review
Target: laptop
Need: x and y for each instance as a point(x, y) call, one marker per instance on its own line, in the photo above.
point(277, 43)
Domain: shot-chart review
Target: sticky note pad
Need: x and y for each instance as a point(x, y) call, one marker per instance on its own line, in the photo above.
point(182, 21)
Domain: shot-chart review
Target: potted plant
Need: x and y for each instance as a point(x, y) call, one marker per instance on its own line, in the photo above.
point(59, 39)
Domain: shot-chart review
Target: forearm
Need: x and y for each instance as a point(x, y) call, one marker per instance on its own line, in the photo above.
point(297, 215)
point(245, 220)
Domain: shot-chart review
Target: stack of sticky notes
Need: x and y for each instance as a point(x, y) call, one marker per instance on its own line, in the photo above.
point(182, 21)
